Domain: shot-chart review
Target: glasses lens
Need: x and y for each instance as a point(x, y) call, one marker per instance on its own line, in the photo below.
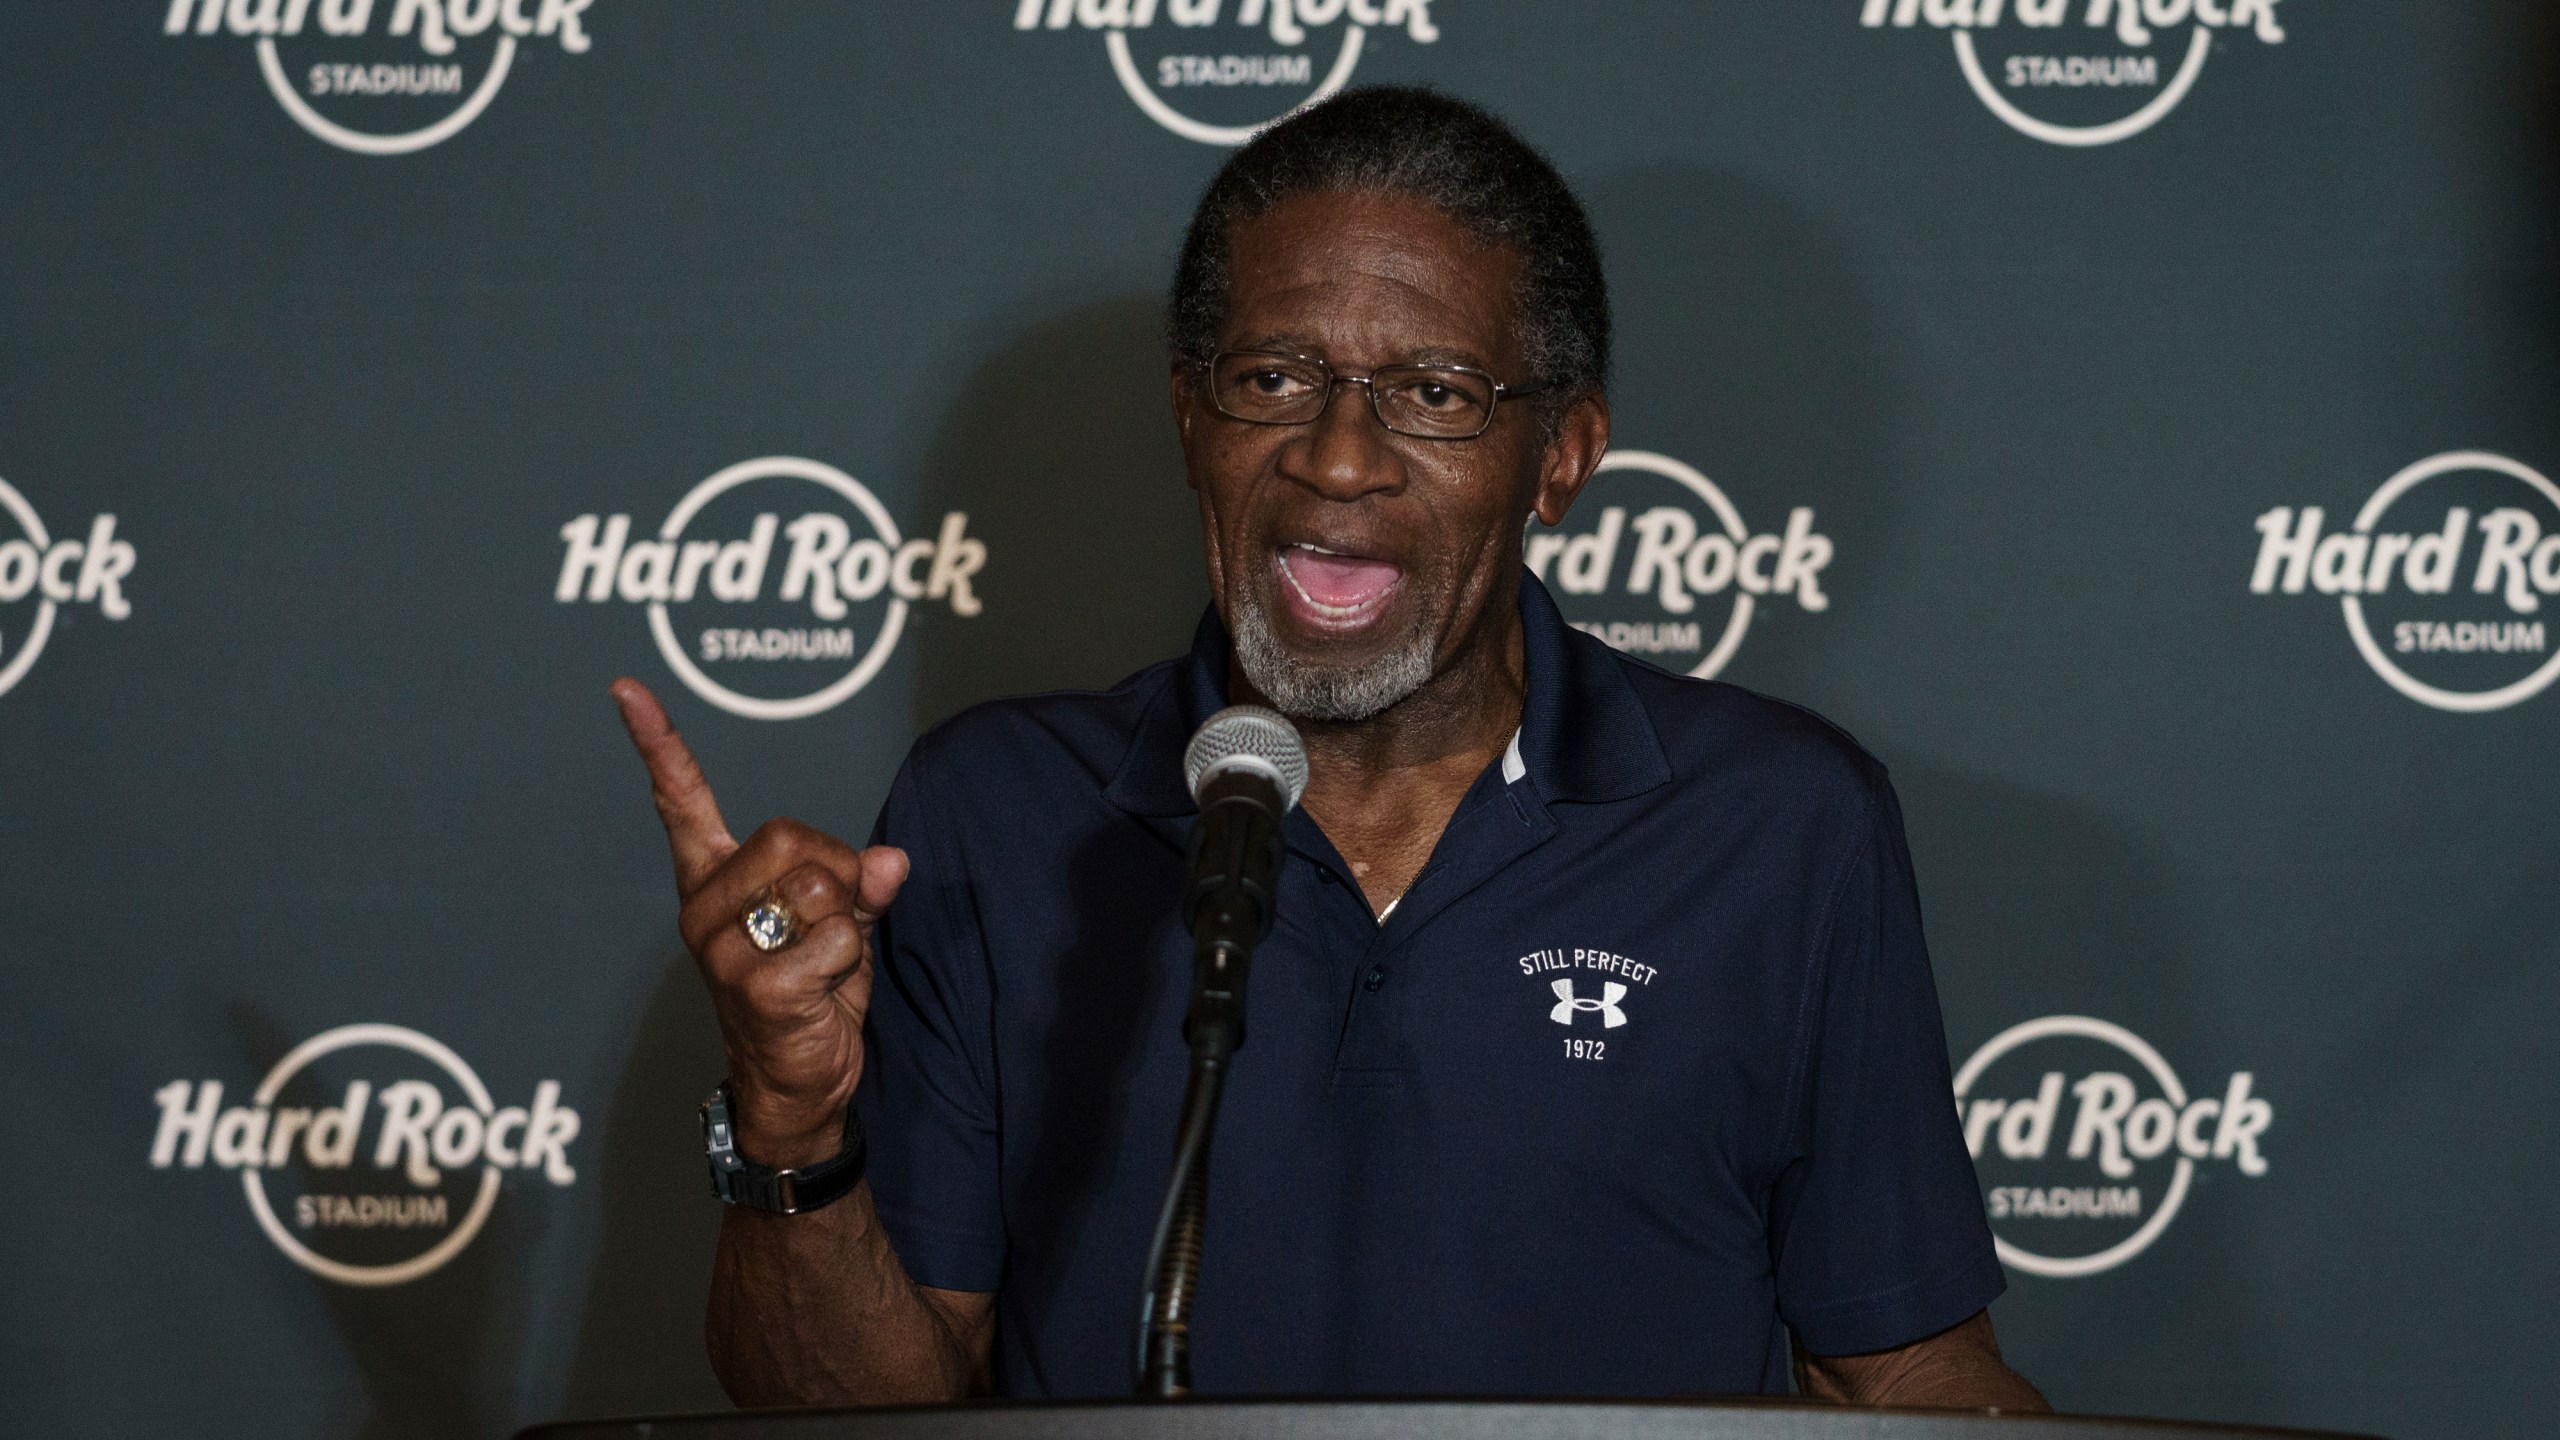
point(1275, 389)
point(1427, 400)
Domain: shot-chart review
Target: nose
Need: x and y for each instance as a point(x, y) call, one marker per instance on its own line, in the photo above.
point(1344, 453)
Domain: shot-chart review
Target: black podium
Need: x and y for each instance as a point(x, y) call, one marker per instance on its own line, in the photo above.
point(1395, 1420)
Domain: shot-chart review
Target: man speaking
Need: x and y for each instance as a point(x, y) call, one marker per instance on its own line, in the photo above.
point(1595, 1050)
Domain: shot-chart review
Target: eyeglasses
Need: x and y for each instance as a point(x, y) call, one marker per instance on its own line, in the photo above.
point(1431, 402)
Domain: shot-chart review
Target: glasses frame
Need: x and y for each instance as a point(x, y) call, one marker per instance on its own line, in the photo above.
point(1335, 379)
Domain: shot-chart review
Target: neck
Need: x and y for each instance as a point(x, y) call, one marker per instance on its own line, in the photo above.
point(1467, 710)
point(1382, 789)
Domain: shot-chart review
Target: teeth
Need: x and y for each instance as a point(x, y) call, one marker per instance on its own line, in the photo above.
point(1330, 612)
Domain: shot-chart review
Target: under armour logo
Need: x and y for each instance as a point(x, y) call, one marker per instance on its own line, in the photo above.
point(1611, 992)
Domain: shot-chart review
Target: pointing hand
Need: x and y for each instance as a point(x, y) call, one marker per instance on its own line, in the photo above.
point(792, 1018)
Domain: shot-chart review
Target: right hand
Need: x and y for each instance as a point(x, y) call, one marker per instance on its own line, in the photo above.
point(792, 1019)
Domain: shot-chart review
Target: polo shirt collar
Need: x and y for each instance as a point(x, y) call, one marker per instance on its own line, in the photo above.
point(1584, 733)
point(1150, 778)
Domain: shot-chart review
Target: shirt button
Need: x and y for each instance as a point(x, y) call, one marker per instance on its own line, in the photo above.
point(1374, 978)
point(1327, 876)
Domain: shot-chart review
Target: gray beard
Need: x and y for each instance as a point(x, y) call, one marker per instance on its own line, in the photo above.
point(1314, 692)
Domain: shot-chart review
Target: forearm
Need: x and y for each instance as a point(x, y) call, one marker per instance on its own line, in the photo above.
point(816, 1309)
point(1967, 1383)
point(1960, 1369)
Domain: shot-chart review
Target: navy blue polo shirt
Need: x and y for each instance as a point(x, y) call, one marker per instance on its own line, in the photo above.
point(1645, 1068)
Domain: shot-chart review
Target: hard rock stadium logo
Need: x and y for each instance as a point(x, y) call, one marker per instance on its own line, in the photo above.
point(1656, 560)
point(776, 588)
point(1223, 85)
point(2440, 576)
point(2088, 1143)
point(370, 1154)
point(2129, 63)
point(43, 576)
point(417, 79)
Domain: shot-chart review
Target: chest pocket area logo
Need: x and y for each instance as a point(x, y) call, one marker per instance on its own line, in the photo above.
point(1568, 1006)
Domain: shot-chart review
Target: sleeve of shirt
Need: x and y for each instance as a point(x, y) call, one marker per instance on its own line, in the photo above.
point(927, 1094)
point(1876, 1227)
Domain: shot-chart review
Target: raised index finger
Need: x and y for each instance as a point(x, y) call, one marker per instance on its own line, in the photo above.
point(696, 834)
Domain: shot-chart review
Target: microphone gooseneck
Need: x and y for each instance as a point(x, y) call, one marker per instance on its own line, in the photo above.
point(1246, 768)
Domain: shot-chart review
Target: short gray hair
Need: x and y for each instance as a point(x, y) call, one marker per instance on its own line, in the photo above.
point(1407, 141)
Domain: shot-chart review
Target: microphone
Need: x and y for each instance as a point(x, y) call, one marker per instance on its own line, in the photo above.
point(1246, 768)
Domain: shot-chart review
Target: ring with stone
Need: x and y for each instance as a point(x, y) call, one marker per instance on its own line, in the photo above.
point(770, 922)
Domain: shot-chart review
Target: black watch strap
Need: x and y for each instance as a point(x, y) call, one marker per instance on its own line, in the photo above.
point(741, 1181)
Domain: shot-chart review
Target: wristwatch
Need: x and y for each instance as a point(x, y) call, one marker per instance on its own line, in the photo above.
point(741, 1181)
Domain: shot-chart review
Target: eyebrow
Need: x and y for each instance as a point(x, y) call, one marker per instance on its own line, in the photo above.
point(1420, 355)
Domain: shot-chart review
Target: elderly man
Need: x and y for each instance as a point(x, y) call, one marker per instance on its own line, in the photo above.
point(1596, 1050)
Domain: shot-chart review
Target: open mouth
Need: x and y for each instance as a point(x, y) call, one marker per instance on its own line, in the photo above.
point(1334, 588)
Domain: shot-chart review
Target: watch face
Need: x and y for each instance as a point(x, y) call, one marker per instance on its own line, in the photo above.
point(741, 1181)
point(715, 1130)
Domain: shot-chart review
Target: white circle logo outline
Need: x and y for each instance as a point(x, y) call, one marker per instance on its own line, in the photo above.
point(2467, 702)
point(25, 515)
point(778, 467)
point(1122, 65)
point(402, 1038)
point(2085, 135)
point(2087, 1027)
point(365, 142)
point(1653, 462)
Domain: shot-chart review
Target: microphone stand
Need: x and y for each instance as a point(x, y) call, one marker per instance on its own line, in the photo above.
point(1173, 1259)
point(1229, 918)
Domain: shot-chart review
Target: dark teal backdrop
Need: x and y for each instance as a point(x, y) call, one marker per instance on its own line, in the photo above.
point(1977, 378)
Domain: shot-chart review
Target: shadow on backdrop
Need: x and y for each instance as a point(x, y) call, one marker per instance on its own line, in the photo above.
point(640, 1347)
point(437, 1355)
point(1753, 346)
point(2039, 906)
point(2539, 59)
point(1749, 346)
point(1061, 449)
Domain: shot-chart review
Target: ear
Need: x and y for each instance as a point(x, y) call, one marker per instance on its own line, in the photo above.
point(1186, 411)
point(1582, 437)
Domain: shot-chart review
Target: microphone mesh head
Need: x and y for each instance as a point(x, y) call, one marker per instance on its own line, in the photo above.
point(1243, 736)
